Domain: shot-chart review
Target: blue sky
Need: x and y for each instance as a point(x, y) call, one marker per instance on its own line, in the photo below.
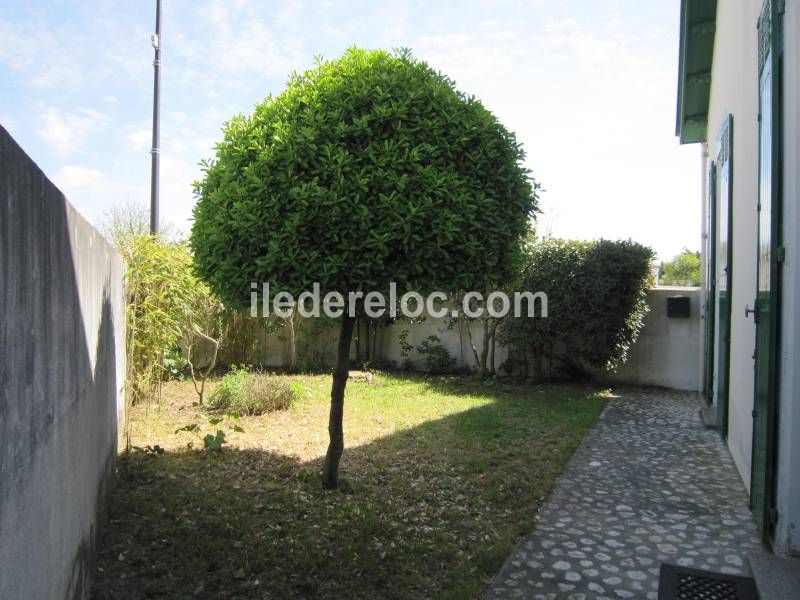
point(587, 85)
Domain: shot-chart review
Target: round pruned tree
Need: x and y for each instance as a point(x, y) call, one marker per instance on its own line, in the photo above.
point(366, 170)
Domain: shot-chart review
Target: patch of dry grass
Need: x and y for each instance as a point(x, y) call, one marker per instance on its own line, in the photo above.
point(441, 475)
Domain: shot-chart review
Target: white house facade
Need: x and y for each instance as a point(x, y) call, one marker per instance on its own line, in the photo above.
point(739, 97)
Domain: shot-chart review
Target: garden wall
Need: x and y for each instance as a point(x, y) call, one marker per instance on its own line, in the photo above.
point(62, 367)
point(668, 353)
point(455, 340)
point(316, 345)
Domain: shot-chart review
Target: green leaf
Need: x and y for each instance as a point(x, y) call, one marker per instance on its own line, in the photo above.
point(214, 442)
point(191, 427)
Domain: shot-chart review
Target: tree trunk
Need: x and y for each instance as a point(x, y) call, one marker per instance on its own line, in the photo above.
point(461, 340)
point(493, 351)
point(472, 345)
point(200, 388)
point(374, 353)
point(367, 338)
point(485, 350)
point(292, 342)
point(330, 473)
point(525, 359)
point(539, 358)
point(358, 341)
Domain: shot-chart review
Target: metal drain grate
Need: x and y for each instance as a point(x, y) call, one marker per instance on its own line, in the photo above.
point(682, 583)
point(692, 587)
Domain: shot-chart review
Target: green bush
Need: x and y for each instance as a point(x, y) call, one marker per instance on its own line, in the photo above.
point(437, 358)
point(231, 388)
point(597, 300)
point(682, 270)
point(248, 393)
point(163, 300)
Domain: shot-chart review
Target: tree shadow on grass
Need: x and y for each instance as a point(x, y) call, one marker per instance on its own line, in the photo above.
point(429, 511)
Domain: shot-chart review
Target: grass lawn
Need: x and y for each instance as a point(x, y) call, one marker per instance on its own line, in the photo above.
point(441, 476)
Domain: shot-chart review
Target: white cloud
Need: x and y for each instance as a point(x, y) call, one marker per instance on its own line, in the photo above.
point(590, 49)
point(126, 51)
point(252, 48)
point(234, 46)
point(58, 56)
point(8, 122)
point(140, 140)
point(66, 132)
point(177, 116)
point(39, 56)
point(71, 177)
point(177, 199)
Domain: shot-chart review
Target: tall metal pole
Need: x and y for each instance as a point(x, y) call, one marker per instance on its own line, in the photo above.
point(155, 150)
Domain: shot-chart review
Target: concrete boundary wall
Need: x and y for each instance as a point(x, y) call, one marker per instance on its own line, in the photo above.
point(62, 367)
point(669, 352)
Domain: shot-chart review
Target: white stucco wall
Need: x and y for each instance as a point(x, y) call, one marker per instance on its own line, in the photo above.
point(457, 345)
point(734, 90)
point(668, 352)
point(788, 493)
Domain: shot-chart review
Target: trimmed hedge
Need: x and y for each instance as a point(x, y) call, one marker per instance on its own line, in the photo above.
point(596, 306)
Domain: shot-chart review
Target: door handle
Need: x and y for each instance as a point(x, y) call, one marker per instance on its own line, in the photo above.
point(748, 311)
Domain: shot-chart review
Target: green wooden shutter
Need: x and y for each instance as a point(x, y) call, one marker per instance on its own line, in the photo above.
point(711, 283)
point(762, 488)
point(725, 272)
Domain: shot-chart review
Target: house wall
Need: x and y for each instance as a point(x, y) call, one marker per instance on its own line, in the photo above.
point(62, 365)
point(734, 90)
point(788, 492)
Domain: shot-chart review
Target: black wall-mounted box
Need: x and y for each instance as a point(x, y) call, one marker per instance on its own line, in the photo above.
point(679, 307)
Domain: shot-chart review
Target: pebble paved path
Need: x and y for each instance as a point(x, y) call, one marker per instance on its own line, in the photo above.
point(648, 485)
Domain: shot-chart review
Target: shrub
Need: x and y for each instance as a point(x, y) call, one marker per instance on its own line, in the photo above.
point(231, 388)
point(596, 305)
point(437, 358)
point(174, 363)
point(162, 300)
point(165, 302)
point(248, 393)
point(265, 393)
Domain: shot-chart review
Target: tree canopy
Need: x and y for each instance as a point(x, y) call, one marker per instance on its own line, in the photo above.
point(368, 169)
point(682, 270)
